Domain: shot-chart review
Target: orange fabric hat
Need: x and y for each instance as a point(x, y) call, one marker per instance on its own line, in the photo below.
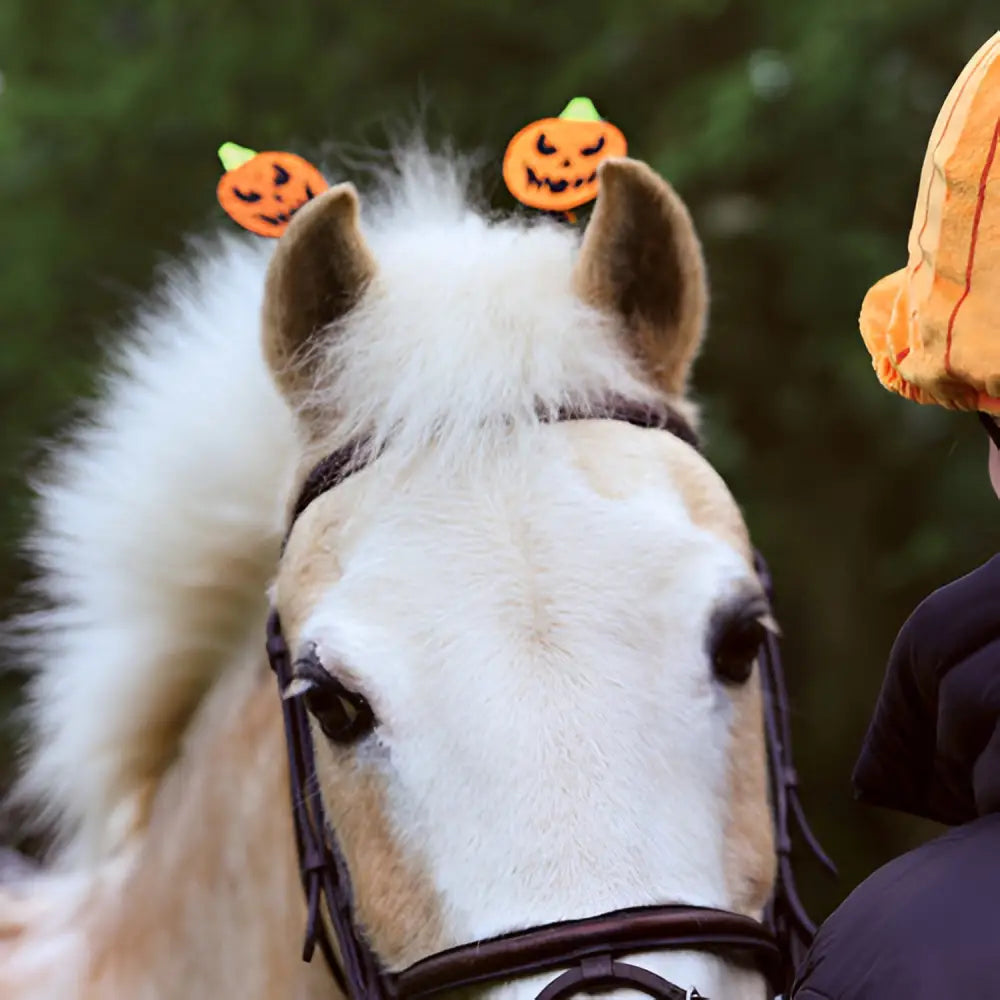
point(933, 328)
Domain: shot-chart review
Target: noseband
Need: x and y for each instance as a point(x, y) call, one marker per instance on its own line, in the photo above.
point(588, 950)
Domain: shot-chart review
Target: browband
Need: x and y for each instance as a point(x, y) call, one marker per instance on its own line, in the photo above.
point(355, 455)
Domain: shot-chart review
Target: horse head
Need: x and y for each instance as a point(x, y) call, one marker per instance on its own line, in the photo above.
point(526, 644)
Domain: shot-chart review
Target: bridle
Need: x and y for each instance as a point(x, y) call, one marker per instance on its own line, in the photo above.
point(590, 949)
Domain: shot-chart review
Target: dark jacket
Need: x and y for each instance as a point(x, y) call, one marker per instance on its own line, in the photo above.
point(927, 925)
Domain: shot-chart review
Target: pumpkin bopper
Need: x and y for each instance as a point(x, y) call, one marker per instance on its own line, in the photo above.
point(262, 191)
point(551, 164)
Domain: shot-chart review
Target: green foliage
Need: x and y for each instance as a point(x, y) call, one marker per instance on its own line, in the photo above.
point(795, 131)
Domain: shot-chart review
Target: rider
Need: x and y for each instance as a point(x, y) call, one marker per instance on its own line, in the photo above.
point(925, 925)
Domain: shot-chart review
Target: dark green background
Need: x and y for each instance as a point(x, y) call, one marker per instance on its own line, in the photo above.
point(795, 129)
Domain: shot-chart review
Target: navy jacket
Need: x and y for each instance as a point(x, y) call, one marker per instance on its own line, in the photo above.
point(926, 926)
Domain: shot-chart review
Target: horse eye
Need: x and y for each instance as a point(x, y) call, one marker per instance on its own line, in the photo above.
point(595, 149)
point(543, 146)
point(736, 647)
point(344, 715)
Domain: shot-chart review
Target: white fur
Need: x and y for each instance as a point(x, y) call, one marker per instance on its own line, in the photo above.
point(159, 526)
point(552, 739)
point(470, 323)
point(43, 930)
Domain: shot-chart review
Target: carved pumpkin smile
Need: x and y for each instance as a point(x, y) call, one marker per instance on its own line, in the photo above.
point(552, 163)
point(558, 186)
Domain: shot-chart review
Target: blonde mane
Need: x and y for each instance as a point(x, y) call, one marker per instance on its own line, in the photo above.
point(160, 520)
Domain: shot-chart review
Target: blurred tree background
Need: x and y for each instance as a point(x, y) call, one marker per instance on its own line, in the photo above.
point(794, 130)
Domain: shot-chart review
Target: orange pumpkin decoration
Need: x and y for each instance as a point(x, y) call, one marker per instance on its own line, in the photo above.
point(552, 163)
point(262, 191)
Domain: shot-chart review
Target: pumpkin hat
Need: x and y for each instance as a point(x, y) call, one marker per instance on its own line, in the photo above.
point(551, 164)
point(933, 328)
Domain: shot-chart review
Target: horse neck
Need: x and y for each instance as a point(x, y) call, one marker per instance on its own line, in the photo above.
point(213, 905)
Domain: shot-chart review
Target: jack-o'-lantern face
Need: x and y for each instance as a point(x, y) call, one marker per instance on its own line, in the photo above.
point(552, 163)
point(262, 191)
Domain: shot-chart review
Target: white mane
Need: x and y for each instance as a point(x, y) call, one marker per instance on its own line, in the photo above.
point(160, 521)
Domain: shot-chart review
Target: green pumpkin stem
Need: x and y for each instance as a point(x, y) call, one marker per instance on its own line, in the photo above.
point(581, 109)
point(234, 156)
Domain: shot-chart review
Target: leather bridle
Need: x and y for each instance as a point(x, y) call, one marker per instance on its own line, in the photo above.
point(588, 950)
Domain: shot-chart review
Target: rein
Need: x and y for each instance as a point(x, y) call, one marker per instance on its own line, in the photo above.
point(590, 949)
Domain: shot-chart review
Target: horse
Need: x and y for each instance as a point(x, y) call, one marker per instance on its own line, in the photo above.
point(526, 642)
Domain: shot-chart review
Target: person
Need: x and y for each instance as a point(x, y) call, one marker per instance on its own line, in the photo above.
point(927, 924)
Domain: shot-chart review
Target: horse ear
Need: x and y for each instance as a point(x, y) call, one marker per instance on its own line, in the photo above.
point(642, 261)
point(319, 271)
